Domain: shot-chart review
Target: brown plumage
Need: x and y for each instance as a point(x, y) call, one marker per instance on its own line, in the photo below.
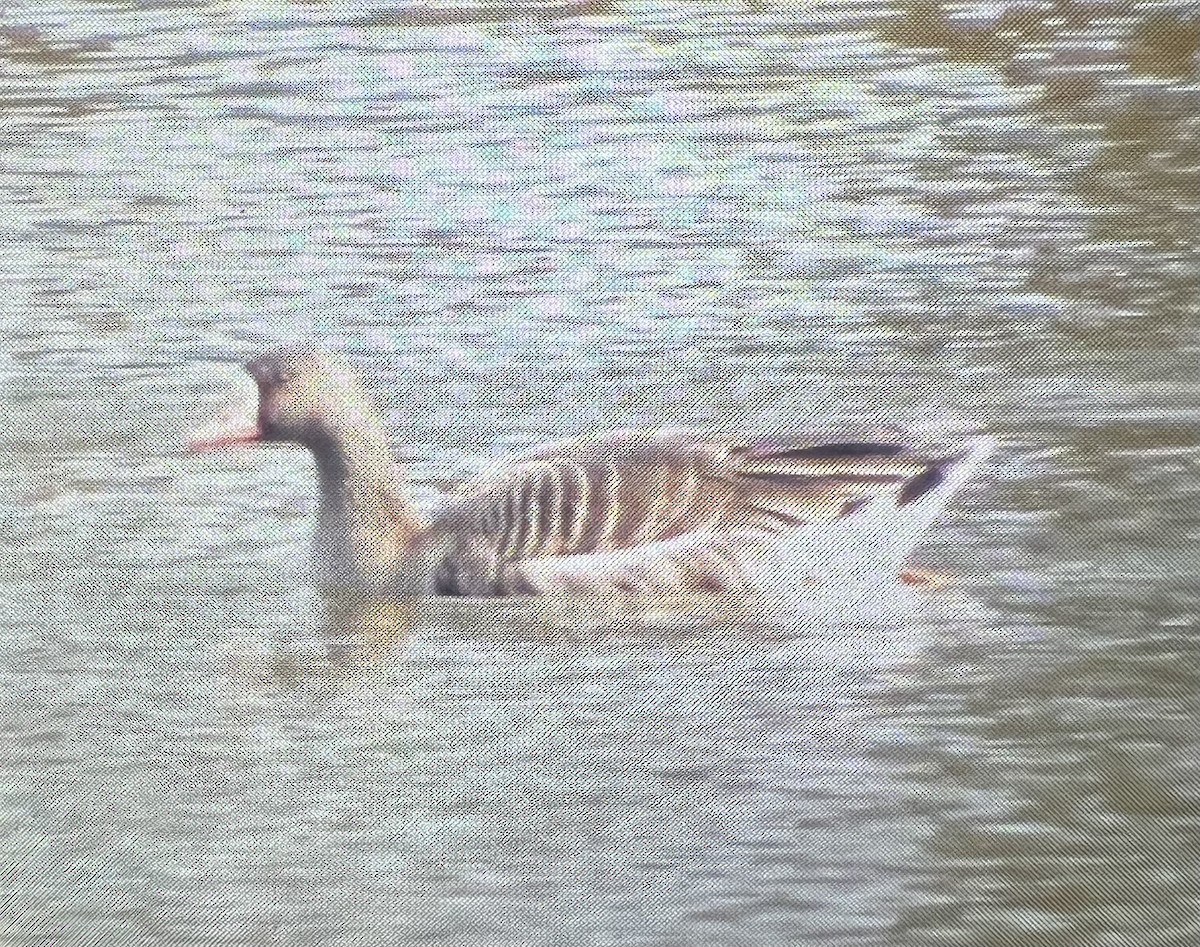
point(642, 512)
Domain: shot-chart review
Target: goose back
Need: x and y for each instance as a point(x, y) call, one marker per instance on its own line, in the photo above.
point(648, 510)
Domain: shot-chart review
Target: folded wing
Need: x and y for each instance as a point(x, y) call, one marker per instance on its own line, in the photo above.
point(643, 509)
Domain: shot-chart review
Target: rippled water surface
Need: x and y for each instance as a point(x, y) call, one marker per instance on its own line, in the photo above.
point(528, 220)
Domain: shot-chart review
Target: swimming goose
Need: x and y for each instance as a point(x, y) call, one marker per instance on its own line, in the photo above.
point(632, 511)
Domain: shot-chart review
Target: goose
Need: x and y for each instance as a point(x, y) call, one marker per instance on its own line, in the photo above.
point(641, 512)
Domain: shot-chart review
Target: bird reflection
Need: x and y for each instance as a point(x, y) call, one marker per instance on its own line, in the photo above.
point(354, 638)
point(358, 637)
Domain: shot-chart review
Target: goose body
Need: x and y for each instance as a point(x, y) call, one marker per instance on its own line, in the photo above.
point(642, 512)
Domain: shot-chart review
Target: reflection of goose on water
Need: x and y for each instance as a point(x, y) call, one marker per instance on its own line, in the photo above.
point(639, 512)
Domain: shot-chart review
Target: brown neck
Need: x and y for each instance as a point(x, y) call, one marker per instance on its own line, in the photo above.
point(366, 522)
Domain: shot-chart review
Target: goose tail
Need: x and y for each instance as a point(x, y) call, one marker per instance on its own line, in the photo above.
point(950, 473)
point(878, 538)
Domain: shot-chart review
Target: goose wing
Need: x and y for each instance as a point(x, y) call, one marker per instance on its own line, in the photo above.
point(630, 496)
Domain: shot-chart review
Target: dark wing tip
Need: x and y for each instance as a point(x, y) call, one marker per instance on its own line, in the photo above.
point(834, 450)
point(929, 479)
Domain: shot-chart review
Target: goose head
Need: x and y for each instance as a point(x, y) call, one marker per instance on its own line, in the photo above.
point(305, 396)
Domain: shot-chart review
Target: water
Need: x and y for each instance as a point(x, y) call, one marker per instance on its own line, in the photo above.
point(525, 223)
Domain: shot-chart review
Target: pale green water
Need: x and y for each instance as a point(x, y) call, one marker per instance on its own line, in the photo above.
point(524, 225)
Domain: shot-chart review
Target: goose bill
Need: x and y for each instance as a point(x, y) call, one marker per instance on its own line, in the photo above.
point(234, 426)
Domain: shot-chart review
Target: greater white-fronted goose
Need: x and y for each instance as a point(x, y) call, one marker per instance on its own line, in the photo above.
point(643, 512)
